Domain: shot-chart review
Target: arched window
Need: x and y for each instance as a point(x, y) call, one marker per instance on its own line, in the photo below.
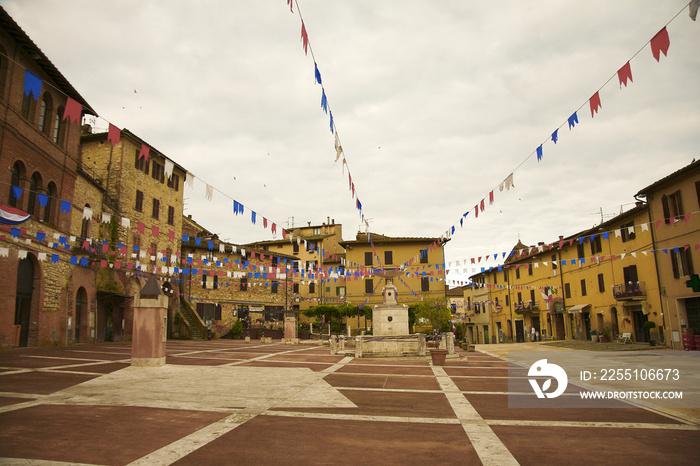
point(34, 188)
point(15, 180)
point(58, 126)
point(28, 106)
point(45, 112)
point(52, 194)
point(85, 227)
point(81, 311)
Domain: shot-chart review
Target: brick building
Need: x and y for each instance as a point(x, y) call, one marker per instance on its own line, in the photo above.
point(44, 298)
point(144, 190)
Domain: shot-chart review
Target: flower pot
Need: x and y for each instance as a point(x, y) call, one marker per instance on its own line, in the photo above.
point(438, 356)
point(604, 339)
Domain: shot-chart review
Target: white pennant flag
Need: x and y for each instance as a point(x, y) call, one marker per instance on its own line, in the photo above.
point(338, 147)
point(106, 217)
point(645, 227)
point(189, 179)
point(169, 168)
point(126, 223)
point(210, 193)
point(87, 213)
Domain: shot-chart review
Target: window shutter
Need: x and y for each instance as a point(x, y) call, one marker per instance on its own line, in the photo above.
point(674, 265)
point(664, 205)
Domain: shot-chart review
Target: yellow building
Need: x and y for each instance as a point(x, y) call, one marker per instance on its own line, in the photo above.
point(674, 203)
point(318, 263)
point(417, 266)
point(601, 279)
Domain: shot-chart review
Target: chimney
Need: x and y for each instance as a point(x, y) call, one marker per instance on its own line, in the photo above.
point(85, 130)
point(561, 238)
point(332, 221)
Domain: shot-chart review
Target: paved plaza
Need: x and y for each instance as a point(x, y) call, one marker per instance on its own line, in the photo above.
point(231, 402)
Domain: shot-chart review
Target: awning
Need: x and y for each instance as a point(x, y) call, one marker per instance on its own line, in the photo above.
point(578, 308)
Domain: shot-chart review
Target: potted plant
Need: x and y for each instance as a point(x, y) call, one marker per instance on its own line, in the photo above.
point(606, 333)
point(594, 336)
point(653, 334)
point(438, 356)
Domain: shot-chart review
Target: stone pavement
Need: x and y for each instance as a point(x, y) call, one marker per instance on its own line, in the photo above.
point(228, 402)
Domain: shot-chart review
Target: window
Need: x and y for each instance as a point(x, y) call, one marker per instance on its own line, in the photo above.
point(532, 297)
point(137, 242)
point(507, 300)
point(174, 182)
point(34, 188)
point(520, 297)
point(215, 281)
point(140, 163)
point(158, 172)
point(171, 215)
point(425, 284)
point(58, 126)
point(340, 291)
point(295, 288)
point(15, 180)
point(312, 287)
point(681, 262)
point(156, 209)
point(244, 284)
point(601, 283)
point(368, 258)
point(567, 290)
point(295, 248)
point(369, 286)
point(168, 256)
point(85, 227)
point(554, 265)
point(52, 193)
point(424, 256)
point(672, 207)
point(580, 250)
point(139, 201)
point(697, 191)
point(28, 105)
point(505, 276)
point(274, 287)
point(529, 269)
point(388, 257)
point(583, 287)
point(627, 231)
point(596, 245)
point(517, 272)
point(45, 113)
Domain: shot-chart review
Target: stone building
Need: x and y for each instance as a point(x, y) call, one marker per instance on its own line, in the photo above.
point(44, 297)
point(225, 282)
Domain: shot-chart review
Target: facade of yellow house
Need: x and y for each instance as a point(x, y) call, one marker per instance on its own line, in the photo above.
point(674, 202)
point(600, 280)
point(477, 308)
point(416, 265)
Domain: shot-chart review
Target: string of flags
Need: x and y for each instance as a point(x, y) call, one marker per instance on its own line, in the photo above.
point(325, 106)
point(659, 44)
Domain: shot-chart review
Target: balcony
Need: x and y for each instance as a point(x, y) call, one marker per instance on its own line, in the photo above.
point(630, 291)
point(526, 306)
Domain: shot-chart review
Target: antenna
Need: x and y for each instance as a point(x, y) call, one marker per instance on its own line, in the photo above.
point(366, 225)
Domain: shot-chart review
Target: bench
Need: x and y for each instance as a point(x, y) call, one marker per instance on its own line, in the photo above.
point(625, 338)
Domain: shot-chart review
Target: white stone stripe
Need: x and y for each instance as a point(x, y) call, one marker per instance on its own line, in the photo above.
point(486, 443)
point(337, 365)
point(28, 462)
point(356, 417)
point(597, 424)
point(186, 445)
point(392, 390)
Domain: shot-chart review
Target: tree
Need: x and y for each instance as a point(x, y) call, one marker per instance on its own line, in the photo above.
point(437, 315)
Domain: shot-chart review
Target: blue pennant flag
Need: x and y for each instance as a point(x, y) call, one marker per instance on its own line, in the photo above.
point(555, 135)
point(332, 130)
point(573, 119)
point(539, 153)
point(317, 73)
point(32, 84)
point(252, 217)
point(185, 238)
point(324, 101)
point(210, 244)
point(16, 192)
point(65, 206)
point(198, 241)
point(43, 199)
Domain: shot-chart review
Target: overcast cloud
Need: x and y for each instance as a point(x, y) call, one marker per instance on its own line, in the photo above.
point(436, 103)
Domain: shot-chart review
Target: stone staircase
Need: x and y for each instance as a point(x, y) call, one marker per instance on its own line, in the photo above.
point(194, 322)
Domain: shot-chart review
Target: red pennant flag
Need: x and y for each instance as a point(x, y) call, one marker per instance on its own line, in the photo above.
point(145, 150)
point(289, 2)
point(117, 265)
point(491, 198)
point(73, 110)
point(171, 235)
point(476, 211)
point(264, 222)
point(114, 135)
point(660, 43)
point(625, 73)
point(103, 263)
point(482, 205)
point(595, 103)
point(155, 231)
point(141, 227)
point(304, 38)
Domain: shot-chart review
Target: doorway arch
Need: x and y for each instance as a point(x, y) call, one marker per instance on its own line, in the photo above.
point(24, 295)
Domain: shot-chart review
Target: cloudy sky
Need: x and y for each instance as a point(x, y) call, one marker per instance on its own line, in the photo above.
point(435, 102)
